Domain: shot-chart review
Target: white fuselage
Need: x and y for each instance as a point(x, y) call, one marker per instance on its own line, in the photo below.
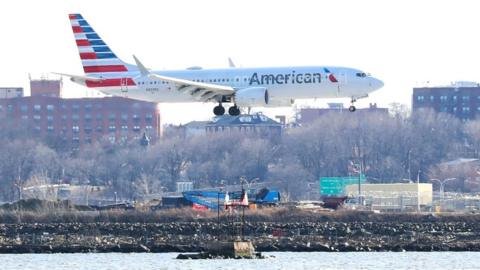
point(284, 84)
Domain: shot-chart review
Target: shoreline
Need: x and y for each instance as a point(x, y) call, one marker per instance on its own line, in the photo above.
point(102, 237)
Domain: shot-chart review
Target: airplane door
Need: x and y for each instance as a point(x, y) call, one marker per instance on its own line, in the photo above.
point(124, 85)
point(342, 81)
point(343, 78)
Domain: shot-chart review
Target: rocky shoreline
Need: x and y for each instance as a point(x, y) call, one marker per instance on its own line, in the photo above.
point(327, 236)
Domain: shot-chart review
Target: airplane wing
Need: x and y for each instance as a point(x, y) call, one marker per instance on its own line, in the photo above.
point(200, 91)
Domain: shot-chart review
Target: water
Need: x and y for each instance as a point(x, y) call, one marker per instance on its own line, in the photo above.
point(282, 260)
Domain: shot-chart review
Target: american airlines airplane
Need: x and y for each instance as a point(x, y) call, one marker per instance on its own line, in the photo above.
point(243, 87)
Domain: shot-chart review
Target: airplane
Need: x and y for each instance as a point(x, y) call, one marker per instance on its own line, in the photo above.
point(243, 87)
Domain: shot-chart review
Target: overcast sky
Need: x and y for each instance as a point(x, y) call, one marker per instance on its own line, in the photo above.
point(404, 43)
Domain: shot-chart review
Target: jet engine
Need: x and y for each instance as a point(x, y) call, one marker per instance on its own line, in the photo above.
point(252, 97)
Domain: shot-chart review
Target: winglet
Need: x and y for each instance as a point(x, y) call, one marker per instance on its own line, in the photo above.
point(143, 70)
point(230, 63)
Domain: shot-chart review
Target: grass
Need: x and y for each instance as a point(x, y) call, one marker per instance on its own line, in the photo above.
point(36, 211)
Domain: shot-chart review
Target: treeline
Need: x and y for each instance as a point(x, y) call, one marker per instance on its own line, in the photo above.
point(387, 148)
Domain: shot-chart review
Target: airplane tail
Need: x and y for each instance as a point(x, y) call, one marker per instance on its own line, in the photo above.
point(98, 60)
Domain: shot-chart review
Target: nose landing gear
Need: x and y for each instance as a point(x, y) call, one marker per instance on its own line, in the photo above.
point(352, 107)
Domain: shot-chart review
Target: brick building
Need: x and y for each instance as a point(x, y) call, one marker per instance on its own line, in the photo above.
point(11, 92)
point(46, 88)
point(83, 120)
point(461, 99)
point(255, 124)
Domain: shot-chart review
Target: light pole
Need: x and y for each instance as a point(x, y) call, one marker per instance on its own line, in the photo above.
point(418, 190)
point(442, 185)
point(218, 206)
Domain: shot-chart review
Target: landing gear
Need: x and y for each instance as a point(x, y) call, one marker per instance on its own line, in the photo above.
point(234, 110)
point(352, 107)
point(219, 110)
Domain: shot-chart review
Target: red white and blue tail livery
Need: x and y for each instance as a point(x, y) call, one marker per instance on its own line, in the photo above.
point(244, 87)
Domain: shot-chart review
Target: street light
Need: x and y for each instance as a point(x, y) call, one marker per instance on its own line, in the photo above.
point(218, 205)
point(418, 190)
point(442, 185)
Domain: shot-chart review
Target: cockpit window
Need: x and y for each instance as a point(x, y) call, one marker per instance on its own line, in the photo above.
point(361, 74)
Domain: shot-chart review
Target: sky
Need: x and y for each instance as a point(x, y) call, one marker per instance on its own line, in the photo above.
point(404, 43)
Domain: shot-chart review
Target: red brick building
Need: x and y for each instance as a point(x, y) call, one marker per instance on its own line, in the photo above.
point(461, 99)
point(83, 120)
point(46, 88)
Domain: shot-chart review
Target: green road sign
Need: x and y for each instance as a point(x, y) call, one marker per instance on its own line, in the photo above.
point(335, 186)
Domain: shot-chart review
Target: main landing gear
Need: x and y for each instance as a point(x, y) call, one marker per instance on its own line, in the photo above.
point(219, 110)
point(234, 110)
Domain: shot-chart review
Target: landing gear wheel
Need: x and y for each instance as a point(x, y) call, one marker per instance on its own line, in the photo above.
point(219, 110)
point(352, 108)
point(234, 110)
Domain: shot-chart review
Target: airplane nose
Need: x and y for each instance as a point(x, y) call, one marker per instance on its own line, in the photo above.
point(376, 84)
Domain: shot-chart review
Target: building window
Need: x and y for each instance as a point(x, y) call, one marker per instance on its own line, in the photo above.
point(454, 109)
point(454, 98)
point(432, 98)
point(50, 128)
point(75, 117)
point(443, 99)
point(112, 128)
point(37, 107)
point(37, 117)
point(420, 99)
point(111, 139)
point(148, 127)
point(465, 98)
point(88, 107)
point(87, 129)
point(88, 117)
point(137, 128)
point(465, 109)
point(99, 128)
point(75, 129)
point(124, 116)
point(99, 117)
point(148, 117)
point(25, 117)
point(1, 108)
point(75, 107)
point(64, 117)
point(24, 108)
point(443, 109)
point(50, 107)
point(10, 108)
point(50, 118)
point(112, 116)
point(124, 128)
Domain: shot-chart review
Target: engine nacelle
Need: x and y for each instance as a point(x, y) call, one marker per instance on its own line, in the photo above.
point(252, 97)
point(275, 102)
